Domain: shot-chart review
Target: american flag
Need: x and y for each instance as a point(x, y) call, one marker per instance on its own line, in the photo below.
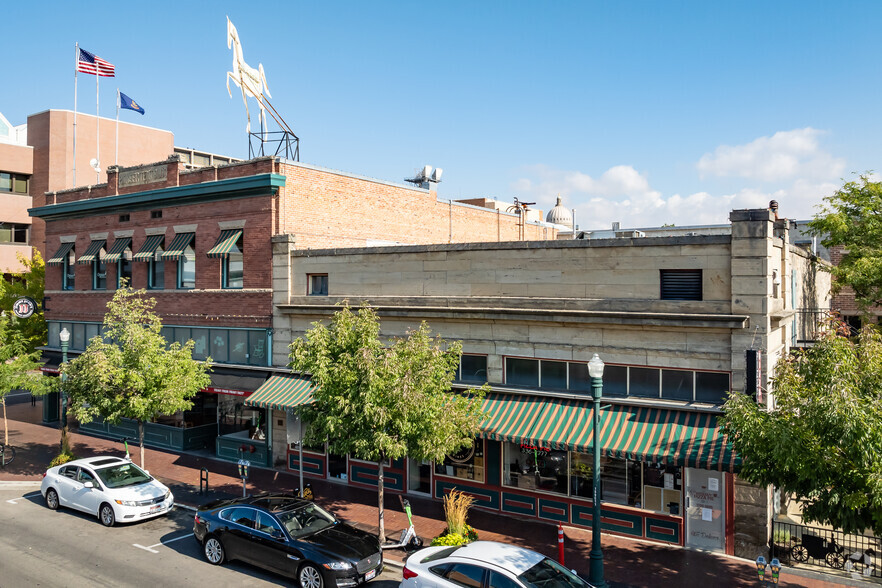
point(92, 64)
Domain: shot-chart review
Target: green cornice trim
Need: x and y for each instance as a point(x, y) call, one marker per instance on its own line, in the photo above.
point(257, 185)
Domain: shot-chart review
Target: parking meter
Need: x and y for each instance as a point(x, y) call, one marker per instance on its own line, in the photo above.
point(761, 568)
point(776, 570)
point(243, 473)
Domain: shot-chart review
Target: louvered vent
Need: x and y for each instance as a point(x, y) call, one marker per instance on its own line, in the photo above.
point(680, 284)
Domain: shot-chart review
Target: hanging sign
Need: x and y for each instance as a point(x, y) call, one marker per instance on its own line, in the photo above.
point(24, 307)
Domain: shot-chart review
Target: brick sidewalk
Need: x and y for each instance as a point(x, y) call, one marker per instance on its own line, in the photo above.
point(627, 562)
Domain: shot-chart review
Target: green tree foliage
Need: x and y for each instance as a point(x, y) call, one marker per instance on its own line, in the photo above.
point(28, 283)
point(131, 372)
point(378, 402)
point(823, 441)
point(852, 218)
point(19, 365)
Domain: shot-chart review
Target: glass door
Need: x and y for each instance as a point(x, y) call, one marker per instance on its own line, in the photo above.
point(419, 476)
point(705, 503)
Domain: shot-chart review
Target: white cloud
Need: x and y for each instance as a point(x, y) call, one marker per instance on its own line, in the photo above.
point(783, 156)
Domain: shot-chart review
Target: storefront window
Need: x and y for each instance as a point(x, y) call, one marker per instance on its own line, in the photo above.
point(534, 468)
point(466, 464)
point(662, 488)
point(337, 466)
point(236, 419)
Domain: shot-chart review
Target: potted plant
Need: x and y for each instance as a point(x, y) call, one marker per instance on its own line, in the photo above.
point(456, 509)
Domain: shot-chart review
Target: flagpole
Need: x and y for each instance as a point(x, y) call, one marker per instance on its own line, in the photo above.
point(76, 69)
point(116, 159)
point(97, 132)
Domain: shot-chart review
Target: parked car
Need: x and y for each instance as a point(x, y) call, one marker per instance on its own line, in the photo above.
point(291, 536)
point(483, 564)
point(112, 488)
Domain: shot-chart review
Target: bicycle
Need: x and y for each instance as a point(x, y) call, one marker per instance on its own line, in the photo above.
point(7, 454)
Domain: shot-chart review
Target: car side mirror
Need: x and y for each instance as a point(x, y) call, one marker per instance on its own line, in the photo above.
point(89, 485)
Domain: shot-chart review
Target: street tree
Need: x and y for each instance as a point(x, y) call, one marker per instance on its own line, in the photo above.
point(131, 371)
point(30, 283)
point(378, 402)
point(852, 218)
point(19, 366)
point(822, 442)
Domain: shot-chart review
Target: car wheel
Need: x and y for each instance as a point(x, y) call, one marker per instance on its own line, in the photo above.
point(310, 577)
point(213, 550)
point(106, 516)
point(52, 499)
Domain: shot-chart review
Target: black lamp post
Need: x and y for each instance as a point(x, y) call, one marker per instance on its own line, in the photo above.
point(64, 337)
point(595, 370)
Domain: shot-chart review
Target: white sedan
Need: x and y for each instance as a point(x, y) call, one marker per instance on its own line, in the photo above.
point(112, 488)
point(486, 564)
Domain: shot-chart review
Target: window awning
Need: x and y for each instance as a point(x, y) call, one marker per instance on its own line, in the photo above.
point(178, 246)
point(282, 392)
point(225, 243)
point(92, 252)
point(119, 247)
point(149, 248)
point(626, 432)
point(59, 256)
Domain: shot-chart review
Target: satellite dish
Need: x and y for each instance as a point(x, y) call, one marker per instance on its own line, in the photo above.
point(95, 165)
point(436, 175)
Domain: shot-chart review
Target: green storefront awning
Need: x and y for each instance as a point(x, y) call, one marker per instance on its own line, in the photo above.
point(119, 247)
point(626, 432)
point(92, 252)
point(282, 392)
point(178, 246)
point(149, 248)
point(225, 243)
point(59, 256)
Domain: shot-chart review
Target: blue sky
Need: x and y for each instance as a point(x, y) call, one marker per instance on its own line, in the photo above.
point(639, 112)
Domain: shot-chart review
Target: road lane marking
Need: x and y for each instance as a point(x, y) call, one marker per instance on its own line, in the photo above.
point(28, 495)
point(150, 548)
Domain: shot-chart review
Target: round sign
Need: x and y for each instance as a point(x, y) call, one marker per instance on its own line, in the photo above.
point(24, 307)
point(464, 455)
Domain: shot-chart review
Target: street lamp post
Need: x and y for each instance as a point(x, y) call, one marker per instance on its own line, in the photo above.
point(64, 337)
point(595, 370)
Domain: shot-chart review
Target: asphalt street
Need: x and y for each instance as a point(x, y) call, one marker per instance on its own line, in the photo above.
point(39, 547)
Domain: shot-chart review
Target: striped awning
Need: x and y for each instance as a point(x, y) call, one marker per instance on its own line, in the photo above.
point(626, 432)
point(60, 255)
point(178, 246)
point(282, 392)
point(149, 248)
point(119, 247)
point(225, 243)
point(92, 252)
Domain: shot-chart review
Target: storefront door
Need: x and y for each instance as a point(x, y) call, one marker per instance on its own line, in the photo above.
point(705, 519)
point(419, 476)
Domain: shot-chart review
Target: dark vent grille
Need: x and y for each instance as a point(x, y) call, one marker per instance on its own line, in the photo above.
point(680, 284)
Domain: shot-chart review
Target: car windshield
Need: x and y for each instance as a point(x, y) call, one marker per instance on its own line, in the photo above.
point(550, 574)
point(124, 474)
point(306, 520)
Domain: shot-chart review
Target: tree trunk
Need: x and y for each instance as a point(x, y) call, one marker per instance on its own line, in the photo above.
point(141, 436)
point(380, 493)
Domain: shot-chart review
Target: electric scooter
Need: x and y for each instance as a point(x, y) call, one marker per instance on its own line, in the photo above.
point(409, 540)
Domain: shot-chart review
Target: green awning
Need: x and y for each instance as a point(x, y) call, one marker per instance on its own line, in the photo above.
point(119, 247)
point(60, 255)
point(178, 246)
point(225, 243)
point(92, 252)
point(282, 392)
point(149, 248)
point(646, 434)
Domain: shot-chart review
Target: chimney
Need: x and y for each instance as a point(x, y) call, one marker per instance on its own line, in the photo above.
point(616, 226)
point(773, 206)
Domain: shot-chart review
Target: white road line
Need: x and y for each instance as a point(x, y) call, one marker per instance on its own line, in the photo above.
point(150, 548)
point(28, 495)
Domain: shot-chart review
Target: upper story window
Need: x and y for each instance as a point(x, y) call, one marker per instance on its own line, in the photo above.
point(155, 214)
point(151, 254)
point(94, 256)
point(317, 284)
point(229, 248)
point(182, 251)
point(15, 183)
point(14, 233)
point(121, 255)
point(68, 270)
point(620, 380)
point(472, 368)
point(680, 284)
point(124, 218)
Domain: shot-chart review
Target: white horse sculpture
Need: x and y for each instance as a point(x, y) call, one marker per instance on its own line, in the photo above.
point(251, 81)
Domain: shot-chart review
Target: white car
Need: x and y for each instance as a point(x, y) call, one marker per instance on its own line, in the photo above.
point(486, 564)
point(112, 488)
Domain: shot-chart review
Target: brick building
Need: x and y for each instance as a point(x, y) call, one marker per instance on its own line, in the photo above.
point(201, 241)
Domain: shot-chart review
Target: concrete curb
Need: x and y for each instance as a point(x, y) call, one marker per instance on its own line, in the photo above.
point(20, 484)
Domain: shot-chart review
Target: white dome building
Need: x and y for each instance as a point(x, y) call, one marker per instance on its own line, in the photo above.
point(560, 215)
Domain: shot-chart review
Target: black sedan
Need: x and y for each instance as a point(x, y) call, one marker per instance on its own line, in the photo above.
point(291, 536)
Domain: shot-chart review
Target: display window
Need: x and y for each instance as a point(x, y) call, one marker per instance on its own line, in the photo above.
point(533, 467)
point(465, 464)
